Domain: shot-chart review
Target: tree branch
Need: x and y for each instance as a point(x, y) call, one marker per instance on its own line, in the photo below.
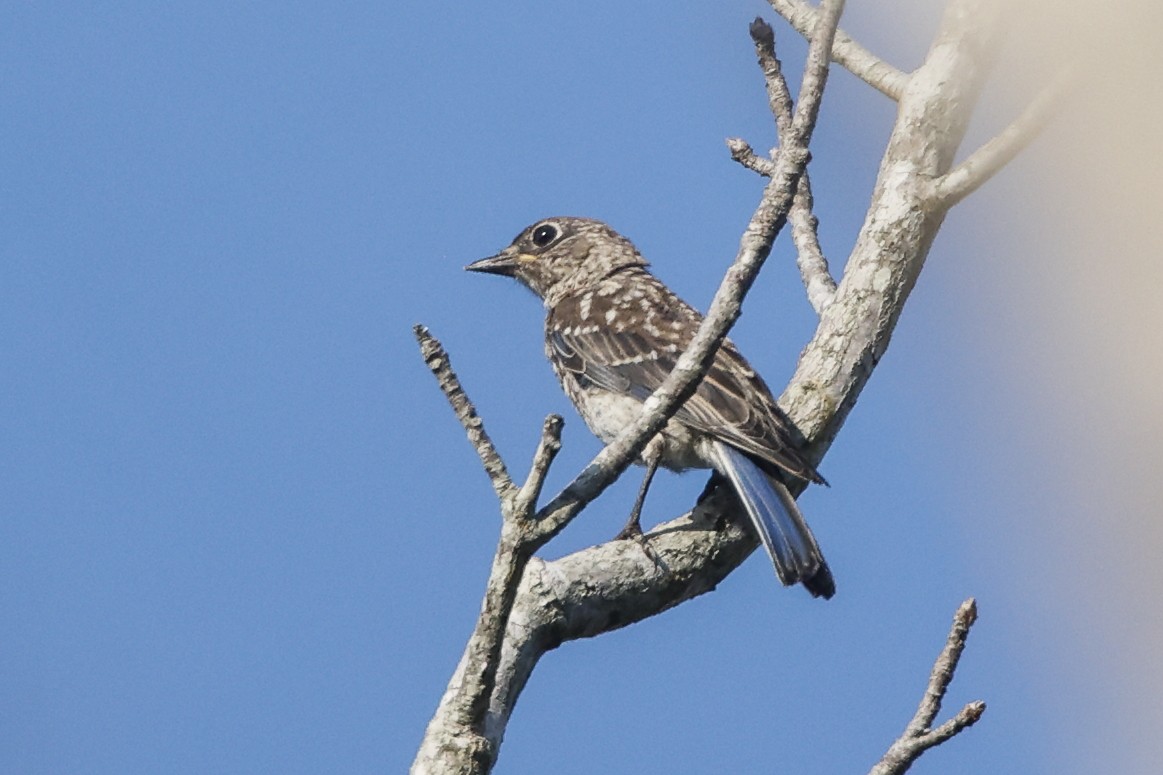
point(846, 52)
point(742, 152)
point(467, 704)
point(986, 161)
point(918, 737)
point(436, 359)
point(899, 229)
point(813, 266)
point(547, 449)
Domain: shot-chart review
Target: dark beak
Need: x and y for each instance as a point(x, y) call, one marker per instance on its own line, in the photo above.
point(503, 264)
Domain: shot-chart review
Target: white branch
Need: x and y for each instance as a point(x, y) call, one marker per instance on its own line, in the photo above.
point(846, 52)
point(813, 266)
point(817, 278)
point(919, 736)
point(984, 163)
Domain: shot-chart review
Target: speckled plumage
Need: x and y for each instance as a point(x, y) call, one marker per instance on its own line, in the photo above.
point(613, 332)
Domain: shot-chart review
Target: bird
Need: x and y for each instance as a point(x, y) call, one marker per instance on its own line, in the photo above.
point(613, 332)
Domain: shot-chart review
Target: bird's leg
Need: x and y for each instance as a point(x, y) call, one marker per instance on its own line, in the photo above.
point(651, 455)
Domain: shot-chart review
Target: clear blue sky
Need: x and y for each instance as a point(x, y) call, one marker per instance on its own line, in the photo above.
point(240, 530)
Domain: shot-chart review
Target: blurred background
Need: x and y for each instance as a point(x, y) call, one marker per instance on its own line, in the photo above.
point(241, 531)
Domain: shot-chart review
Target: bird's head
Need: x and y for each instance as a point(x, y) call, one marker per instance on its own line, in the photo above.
point(559, 256)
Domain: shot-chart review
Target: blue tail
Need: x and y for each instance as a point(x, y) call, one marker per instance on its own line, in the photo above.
point(778, 521)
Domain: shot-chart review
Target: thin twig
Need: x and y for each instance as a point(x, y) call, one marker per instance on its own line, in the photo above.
point(547, 449)
point(813, 266)
point(942, 674)
point(437, 361)
point(849, 54)
point(807, 106)
point(778, 95)
point(818, 281)
point(819, 284)
point(966, 717)
point(986, 161)
point(742, 152)
point(918, 736)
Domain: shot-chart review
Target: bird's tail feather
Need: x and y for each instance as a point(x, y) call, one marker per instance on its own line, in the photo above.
point(778, 521)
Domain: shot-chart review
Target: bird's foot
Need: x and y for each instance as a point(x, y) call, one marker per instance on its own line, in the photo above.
point(633, 532)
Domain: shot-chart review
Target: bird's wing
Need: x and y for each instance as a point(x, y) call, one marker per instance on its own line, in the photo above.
point(732, 403)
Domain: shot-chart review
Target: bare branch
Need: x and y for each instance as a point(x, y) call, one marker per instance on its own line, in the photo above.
point(466, 702)
point(943, 669)
point(547, 449)
point(986, 161)
point(966, 717)
point(778, 95)
point(898, 229)
point(918, 737)
point(615, 584)
point(437, 361)
point(821, 43)
point(742, 152)
point(813, 266)
point(849, 54)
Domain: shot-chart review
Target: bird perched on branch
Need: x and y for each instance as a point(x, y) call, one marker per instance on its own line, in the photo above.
point(614, 332)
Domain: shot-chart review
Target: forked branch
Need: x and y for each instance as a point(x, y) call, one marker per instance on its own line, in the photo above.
point(919, 736)
point(813, 266)
point(847, 53)
point(467, 704)
point(986, 161)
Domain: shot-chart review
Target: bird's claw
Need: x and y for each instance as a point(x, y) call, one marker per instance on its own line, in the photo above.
point(633, 532)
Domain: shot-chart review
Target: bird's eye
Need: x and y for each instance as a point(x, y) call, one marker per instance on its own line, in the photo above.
point(544, 234)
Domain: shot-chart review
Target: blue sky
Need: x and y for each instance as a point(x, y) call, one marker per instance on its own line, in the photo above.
point(240, 530)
